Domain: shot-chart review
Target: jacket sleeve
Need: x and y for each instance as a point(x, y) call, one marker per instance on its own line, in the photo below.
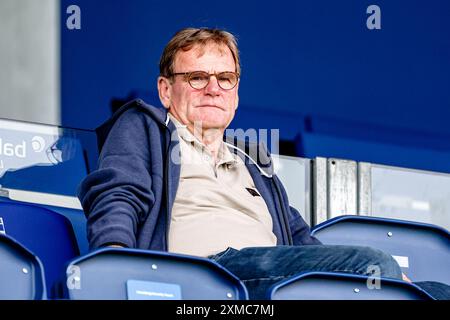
point(117, 196)
point(300, 230)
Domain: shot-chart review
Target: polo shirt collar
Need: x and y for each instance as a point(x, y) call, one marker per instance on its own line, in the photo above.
point(223, 157)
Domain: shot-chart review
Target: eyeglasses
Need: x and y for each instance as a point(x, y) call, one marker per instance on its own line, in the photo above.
point(227, 80)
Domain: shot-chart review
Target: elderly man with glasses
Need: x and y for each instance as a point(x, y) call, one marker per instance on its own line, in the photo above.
point(167, 180)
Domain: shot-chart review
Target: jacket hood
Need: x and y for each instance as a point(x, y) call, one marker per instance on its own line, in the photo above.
point(158, 114)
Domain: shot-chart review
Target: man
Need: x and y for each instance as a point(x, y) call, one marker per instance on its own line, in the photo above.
point(168, 181)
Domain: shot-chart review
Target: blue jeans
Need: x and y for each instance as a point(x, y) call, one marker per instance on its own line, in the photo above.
point(261, 267)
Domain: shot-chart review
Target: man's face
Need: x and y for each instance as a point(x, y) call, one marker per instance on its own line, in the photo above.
point(213, 106)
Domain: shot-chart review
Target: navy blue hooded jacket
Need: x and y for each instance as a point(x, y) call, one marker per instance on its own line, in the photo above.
point(128, 199)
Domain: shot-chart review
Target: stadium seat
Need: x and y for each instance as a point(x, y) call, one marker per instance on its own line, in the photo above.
point(422, 250)
point(21, 272)
point(47, 234)
point(76, 217)
point(342, 286)
point(130, 274)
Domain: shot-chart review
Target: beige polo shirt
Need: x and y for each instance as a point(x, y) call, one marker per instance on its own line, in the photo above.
point(217, 204)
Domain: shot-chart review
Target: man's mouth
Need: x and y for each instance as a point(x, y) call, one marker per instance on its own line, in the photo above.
point(209, 106)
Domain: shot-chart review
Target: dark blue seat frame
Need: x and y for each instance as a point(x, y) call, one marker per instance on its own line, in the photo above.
point(76, 217)
point(425, 247)
point(103, 275)
point(343, 286)
point(21, 272)
point(46, 233)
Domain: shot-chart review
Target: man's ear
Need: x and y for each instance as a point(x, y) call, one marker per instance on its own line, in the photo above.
point(237, 97)
point(164, 87)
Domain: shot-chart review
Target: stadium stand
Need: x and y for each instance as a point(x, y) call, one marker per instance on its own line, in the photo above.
point(38, 205)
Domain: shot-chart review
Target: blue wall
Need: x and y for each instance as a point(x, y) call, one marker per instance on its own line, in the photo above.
point(300, 58)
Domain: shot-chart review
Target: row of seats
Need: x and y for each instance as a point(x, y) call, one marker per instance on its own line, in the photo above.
point(44, 262)
point(111, 274)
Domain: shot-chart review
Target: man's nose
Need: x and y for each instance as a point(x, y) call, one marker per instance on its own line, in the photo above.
point(213, 86)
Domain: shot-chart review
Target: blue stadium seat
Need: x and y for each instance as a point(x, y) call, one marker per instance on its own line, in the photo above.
point(47, 234)
point(422, 250)
point(21, 272)
point(121, 274)
point(76, 217)
point(342, 286)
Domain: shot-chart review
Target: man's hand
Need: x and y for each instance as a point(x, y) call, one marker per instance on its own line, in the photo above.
point(405, 278)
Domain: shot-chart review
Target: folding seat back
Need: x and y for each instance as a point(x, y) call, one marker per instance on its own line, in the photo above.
point(47, 234)
point(342, 286)
point(21, 272)
point(121, 274)
point(422, 250)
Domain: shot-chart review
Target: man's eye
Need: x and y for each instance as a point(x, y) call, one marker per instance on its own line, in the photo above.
point(225, 78)
point(199, 78)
